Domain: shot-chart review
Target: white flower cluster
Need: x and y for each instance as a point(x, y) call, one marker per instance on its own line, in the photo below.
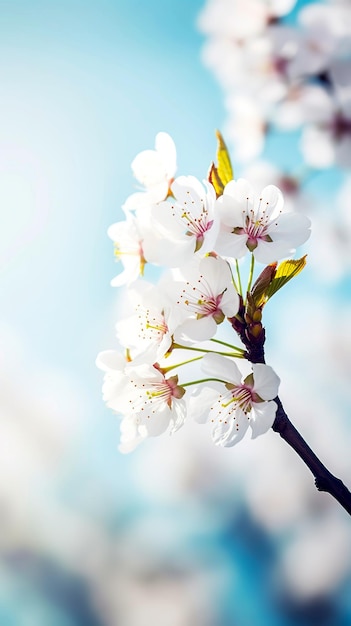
point(198, 234)
point(281, 73)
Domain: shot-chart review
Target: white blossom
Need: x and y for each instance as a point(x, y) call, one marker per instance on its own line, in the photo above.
point(187, 221)
point(148, 333)
point(115, 388)
point(303, 104)
point(258, 225)
point(327, 141)
point(115, 366)
point(241, 403)
point(155, 170)
point(156, 402)
point(278, 74)
point(240, 19)
point(128, 248)
point(206, 293)
point(327, 31)
point(148, 401)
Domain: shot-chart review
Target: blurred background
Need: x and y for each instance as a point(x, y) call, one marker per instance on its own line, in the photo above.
point(178, 533)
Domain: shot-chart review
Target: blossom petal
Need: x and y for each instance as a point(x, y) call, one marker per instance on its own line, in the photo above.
point(232, 211)
point(148, 168)
point(178, 414)
point(231, 245)
point(266, 381)
point(110, 360)
point(157, 423)
point(270, 251)
point(272, 200)
point(196, 329)
point(144, 199)
point(128, 275)
point(164, 215)
point(262, 417)
point(131, 436)
point(200, 402)
point(188, 188)
point(230, 302)
point(217, 273)
point(239, 188)
point(165, 146)
point(221, 367)
point(168, 250)
point(230, 433)
point(291, 227)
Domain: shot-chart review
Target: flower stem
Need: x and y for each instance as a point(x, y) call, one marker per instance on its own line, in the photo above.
point(203, 380)
point(240, 290)
point(239, 355)
point(252, 267)
point(229, 345)
point(172, 367)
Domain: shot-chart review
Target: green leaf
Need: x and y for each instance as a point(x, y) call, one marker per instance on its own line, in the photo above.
point(285, 272)
point(273, 278)
point(224, 166)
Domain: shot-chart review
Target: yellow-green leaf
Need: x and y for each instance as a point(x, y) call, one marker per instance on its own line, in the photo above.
point(224, 166)
point(285, 272)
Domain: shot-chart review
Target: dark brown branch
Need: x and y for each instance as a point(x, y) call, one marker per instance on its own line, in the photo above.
point(253, 340)
point(324, 479)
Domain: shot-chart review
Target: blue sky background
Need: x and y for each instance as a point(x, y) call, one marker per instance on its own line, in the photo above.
point(85, 86)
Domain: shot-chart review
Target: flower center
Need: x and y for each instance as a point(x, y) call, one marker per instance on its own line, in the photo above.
point(201, 300)
point(196, 221)
point(197, 226)
point(150, 397)
point(133, 250)
point(153, 326)
point(159, 392)
point(163, 392)
point(256, 226)
point(241, 398)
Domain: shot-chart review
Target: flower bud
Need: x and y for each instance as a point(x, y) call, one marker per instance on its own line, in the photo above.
point(256, 329)
point(257, 315)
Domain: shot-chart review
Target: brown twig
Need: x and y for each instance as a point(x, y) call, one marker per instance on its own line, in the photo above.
point(324, 479)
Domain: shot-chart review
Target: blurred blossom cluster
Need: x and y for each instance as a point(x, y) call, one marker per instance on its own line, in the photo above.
point(285, 70)
point(284, 75)
point(61, 562)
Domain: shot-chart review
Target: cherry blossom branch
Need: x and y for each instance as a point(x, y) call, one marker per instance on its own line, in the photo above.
point(193, 225)
point(324, 479)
